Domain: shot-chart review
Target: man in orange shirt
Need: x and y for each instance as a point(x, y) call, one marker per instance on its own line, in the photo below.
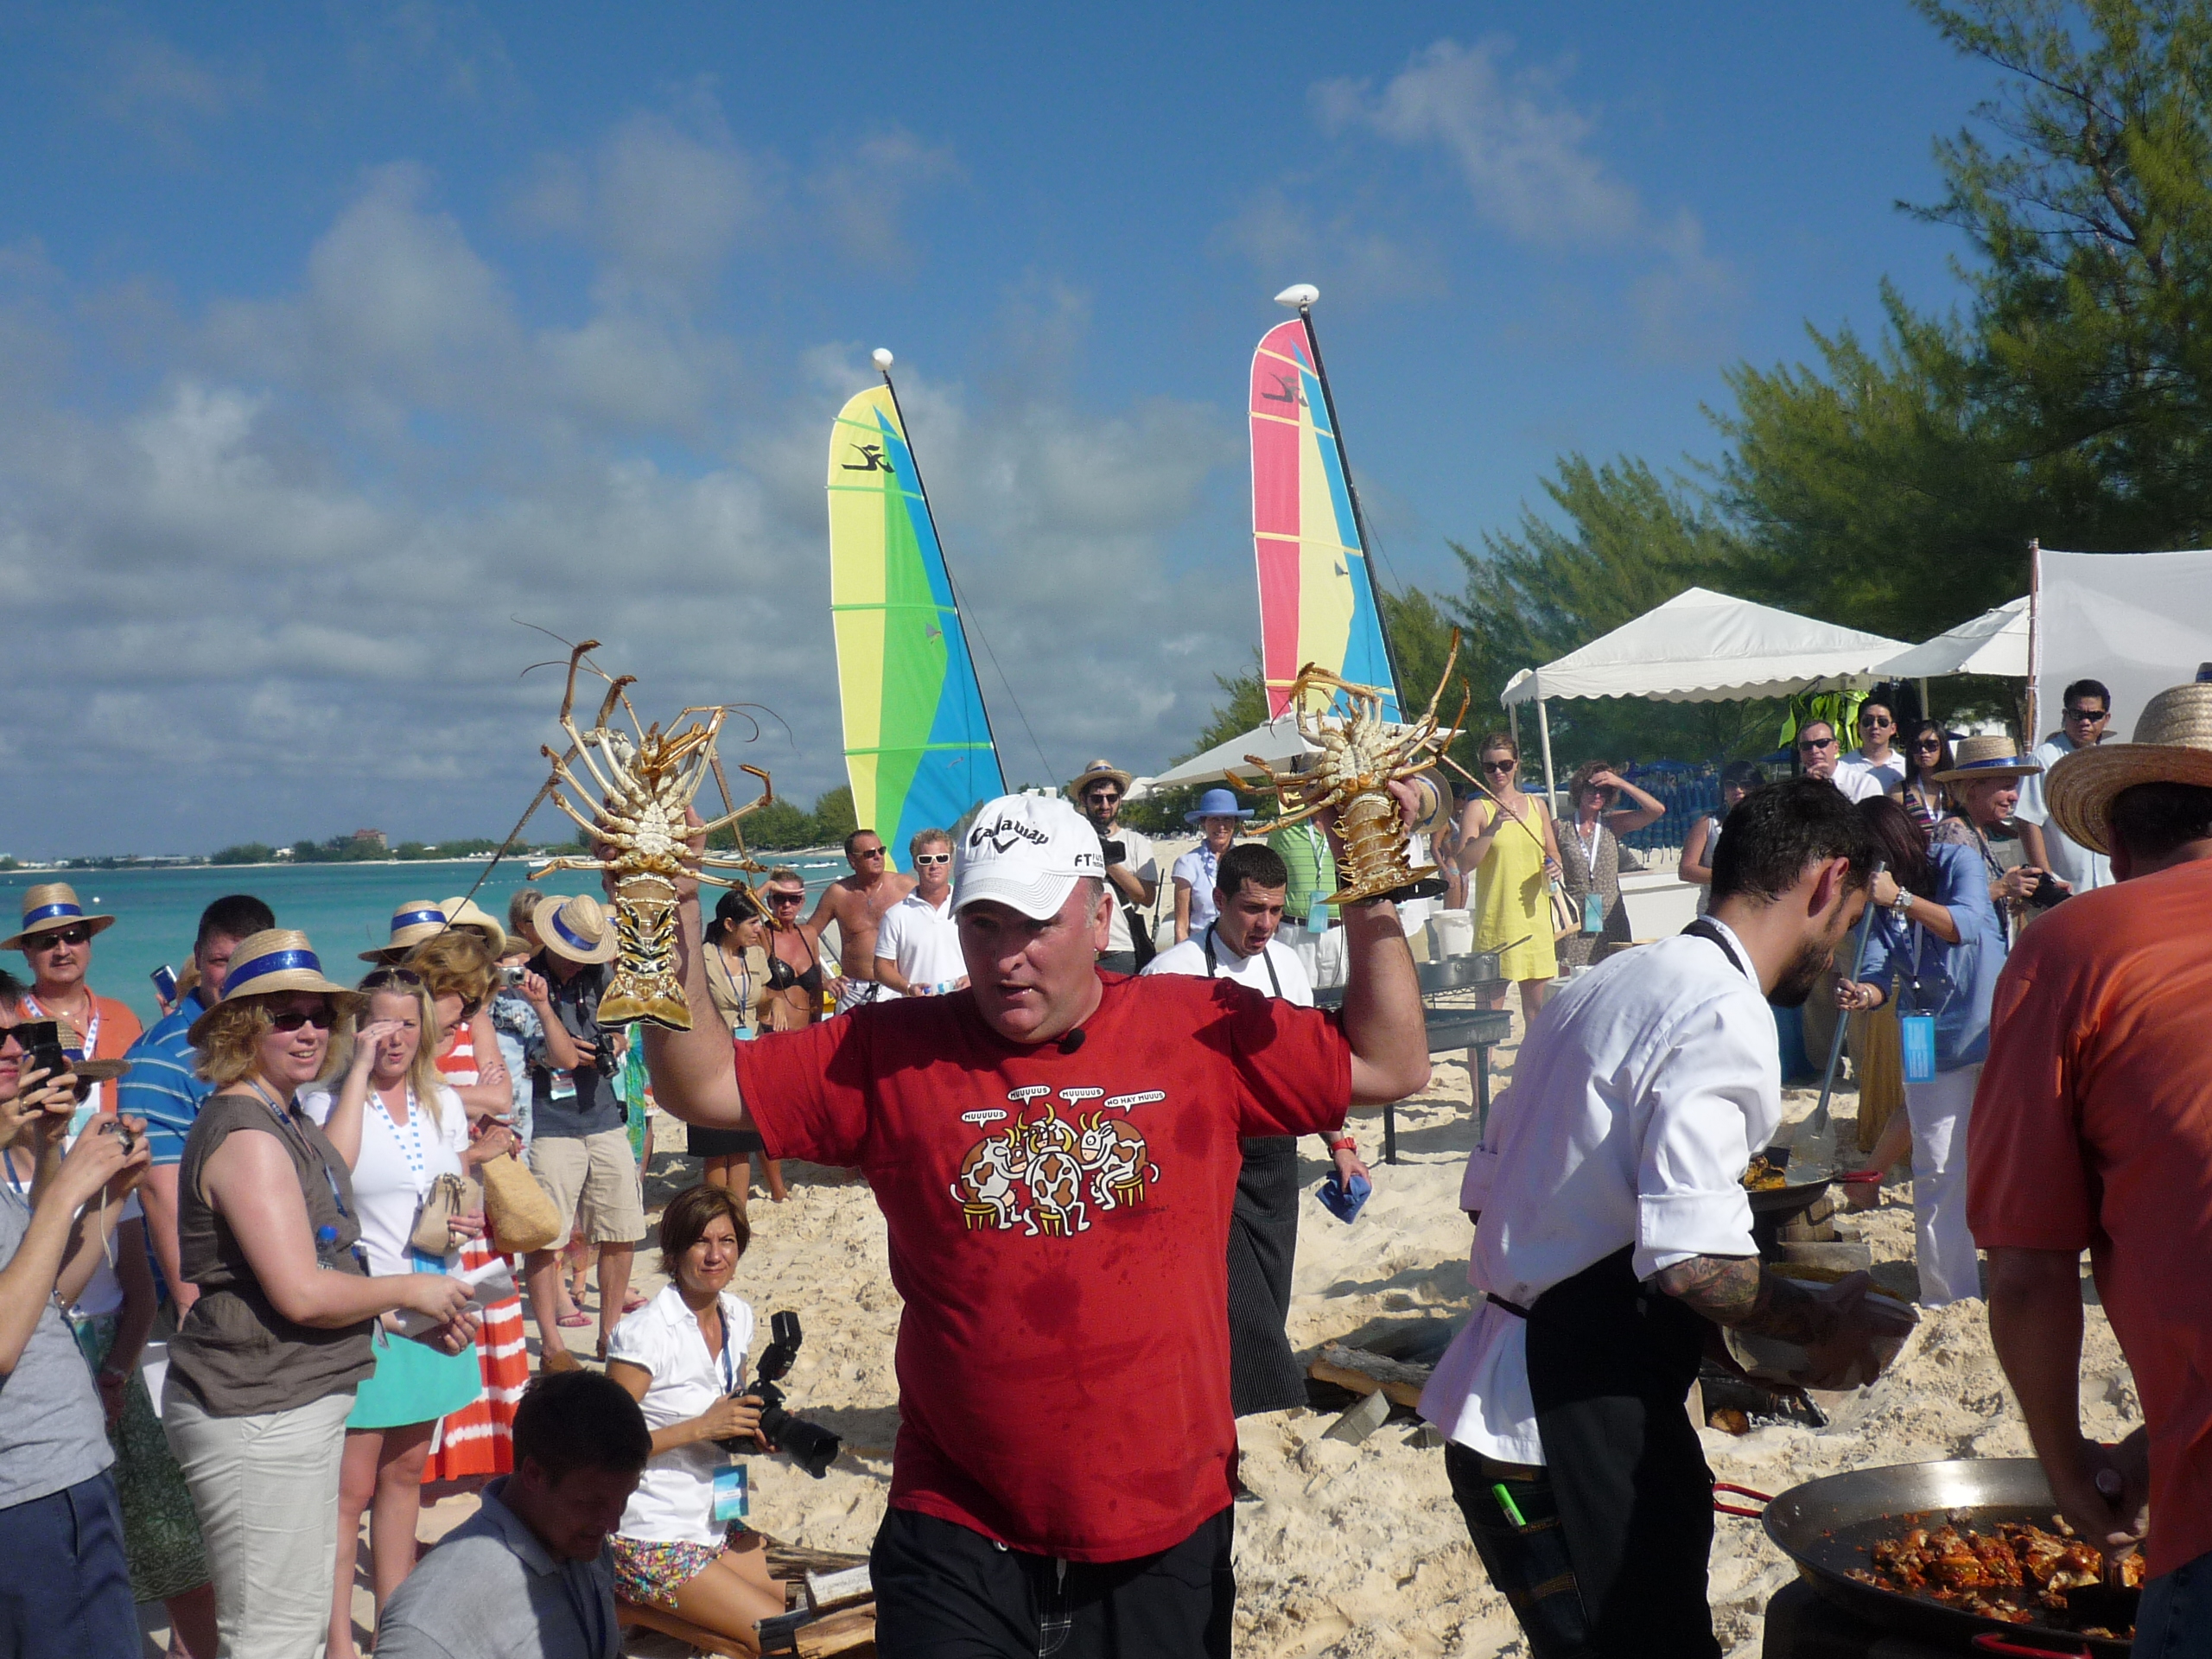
point(2092, 1129)
point(56, 940)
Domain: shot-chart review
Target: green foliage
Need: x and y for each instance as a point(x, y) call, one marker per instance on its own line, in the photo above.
point(833, 815)
point(246, 852)
point(782, 826)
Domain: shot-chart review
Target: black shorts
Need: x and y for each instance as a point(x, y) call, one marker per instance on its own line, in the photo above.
point(944, 1592)
point(721, 1143)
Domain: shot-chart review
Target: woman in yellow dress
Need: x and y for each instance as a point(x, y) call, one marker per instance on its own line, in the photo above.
point(1512, 865)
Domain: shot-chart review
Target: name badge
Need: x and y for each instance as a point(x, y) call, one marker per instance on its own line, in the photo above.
point(1594, 912)
point(1316, 918)
point(729, 1494)
point(564, 1086)
point(1918, 1032)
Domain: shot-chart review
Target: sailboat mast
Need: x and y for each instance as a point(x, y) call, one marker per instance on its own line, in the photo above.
point(1351, 489)
point(882, 359)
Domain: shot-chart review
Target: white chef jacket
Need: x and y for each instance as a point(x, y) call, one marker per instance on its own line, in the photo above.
point(1641, 1092)
point(1190, 957)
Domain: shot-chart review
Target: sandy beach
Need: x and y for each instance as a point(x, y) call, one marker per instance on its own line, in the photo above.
point(1347, 1551)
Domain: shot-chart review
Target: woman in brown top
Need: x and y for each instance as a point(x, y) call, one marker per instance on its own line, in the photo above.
point(262, 1375)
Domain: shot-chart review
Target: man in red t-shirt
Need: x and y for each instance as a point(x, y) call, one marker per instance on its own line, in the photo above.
point(1055, 1151)
point(2092, 1129)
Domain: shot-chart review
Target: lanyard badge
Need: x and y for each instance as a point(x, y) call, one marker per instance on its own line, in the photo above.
point(729, 1494)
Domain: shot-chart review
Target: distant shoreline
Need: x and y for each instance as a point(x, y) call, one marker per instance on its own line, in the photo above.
point(24, 867)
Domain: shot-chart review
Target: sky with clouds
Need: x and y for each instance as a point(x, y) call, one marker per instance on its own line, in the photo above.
point(340, 347)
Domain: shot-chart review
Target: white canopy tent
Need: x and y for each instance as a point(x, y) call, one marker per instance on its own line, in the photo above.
point(1279, 742)
point(1702, 646)
point(2140, 622)
point(1996, 642)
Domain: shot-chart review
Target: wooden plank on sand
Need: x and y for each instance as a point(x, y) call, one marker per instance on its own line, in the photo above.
point(1364, 1373)
point(851, 1632)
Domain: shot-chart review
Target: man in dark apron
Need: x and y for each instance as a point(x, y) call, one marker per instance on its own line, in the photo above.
point(1613, 1235)
point(1240, 944)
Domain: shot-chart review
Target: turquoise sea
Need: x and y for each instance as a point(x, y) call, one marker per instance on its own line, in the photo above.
point(342, 908)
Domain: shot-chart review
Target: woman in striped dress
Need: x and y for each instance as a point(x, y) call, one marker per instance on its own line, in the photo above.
point(476, 1442)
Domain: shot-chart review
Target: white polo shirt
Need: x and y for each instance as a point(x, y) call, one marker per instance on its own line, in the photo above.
point(2070, 862)
point(924, 940)
point(1641, 1092)
point(674, 1500)
point(1290, 982)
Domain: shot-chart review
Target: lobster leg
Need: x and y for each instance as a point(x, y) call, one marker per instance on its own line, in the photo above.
point(558, 864)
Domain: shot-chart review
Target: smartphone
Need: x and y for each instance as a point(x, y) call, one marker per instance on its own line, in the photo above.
point(164, 978)
point(40, 1040)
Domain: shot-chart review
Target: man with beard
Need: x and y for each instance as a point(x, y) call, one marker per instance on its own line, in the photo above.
point(1612, 1230)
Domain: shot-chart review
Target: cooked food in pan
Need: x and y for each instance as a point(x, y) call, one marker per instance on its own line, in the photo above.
point(2021, 1575)
point(1764, 1176)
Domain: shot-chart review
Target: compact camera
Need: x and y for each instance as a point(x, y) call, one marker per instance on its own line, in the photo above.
point(40, 1040)
point(1116, 852)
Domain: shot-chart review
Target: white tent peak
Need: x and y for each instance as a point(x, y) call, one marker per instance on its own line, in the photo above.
point(1702, 646)
point(1996, 642)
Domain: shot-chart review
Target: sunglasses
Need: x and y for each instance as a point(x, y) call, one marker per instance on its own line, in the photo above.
point(78, 934)
point(1103, 797)
point(869, 852)
point(2090, 714)
point(292, 1019)
point(1500, 765)
point(1816, 742)
point(1878, 721)
point(786, 898)
point(932, 858)
point(1927, 745)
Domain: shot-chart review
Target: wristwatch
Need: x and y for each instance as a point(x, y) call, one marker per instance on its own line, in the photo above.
point(1902, 905)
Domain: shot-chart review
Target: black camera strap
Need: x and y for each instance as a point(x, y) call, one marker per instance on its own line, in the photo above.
point(1213, 968)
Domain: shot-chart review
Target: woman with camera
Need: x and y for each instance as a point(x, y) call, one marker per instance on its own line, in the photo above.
point(263, 1373)
point(1937, 935)
point(682, 1357)
point(404, 1136)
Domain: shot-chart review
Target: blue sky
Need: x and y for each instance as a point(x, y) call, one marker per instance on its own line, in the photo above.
point(334, 340)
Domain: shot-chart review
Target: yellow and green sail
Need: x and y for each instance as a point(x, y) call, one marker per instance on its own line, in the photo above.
point(917, 742)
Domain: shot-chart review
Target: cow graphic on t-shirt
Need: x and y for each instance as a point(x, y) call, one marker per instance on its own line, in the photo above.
point(1045, 1174)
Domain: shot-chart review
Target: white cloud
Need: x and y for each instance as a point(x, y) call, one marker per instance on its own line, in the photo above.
point(150, 84)
point(1282, 236)
point(863, 189)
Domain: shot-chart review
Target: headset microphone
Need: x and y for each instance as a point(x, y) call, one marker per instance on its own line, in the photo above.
point(1072, 1041)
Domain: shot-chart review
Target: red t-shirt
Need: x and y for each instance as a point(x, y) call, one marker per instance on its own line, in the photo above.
point(1059, 1228)
point(2092, 1129)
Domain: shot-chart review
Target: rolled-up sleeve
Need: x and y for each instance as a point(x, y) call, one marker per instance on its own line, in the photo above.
point(1711, 1101)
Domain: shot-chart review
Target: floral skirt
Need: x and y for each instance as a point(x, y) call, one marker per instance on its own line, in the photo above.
point(160, 1531)
point(648, 1574)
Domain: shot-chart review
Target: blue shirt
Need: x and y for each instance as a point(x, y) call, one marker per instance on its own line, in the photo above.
point(162, 1083)
point(1959, 980)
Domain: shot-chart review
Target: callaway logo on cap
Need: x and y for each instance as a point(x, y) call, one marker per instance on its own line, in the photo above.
point(1026, 851)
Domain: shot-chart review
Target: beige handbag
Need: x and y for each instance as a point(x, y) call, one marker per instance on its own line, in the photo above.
point(449, 1196)
point(521, 1217)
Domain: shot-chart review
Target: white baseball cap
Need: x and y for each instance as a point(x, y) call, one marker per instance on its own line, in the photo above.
point(1027, 852)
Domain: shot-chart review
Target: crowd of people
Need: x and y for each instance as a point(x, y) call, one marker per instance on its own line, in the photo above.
point(309, 1192)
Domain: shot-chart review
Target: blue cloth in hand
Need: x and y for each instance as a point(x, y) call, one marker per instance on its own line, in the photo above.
point(1346, 1206)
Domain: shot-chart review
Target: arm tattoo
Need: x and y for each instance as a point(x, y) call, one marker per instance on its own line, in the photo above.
point(1733, 1290)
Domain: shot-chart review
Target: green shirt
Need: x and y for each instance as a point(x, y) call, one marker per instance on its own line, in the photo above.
point(1305, 851)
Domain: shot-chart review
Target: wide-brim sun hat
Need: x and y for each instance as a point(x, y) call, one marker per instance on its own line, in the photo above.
point(85, 1070)
point(415, 920)
point(269, 964)
point(1976, 758)
point(50, 906)
point(1025, 852)
point(1216, 804)
point(1091, 773)
point(464, 911)
point(575, 928)
point(2172, 745)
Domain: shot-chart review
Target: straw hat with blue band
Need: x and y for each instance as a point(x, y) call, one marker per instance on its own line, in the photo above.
point(575, 928)
point(2173, 744)
point(50, 907)
point(269, 964)
point(1216, 804)
point(415, 920)
point(464, 911)
point(1987, 757)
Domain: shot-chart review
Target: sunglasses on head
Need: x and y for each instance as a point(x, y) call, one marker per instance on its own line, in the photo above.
point(386, 976)
point(322, 1017)
point(932, 858)
point(78, 933)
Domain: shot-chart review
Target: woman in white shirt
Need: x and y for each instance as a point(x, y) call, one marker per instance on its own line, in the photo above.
point(1217, 817)
point(399, 1128)
point(682, 1357)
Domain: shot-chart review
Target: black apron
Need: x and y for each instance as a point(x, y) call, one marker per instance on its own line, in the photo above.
point(1263, 1376)
point(1610, 1362)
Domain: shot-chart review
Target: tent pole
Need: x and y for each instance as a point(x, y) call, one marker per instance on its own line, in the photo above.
point(1927, 709)
point(1544, 731)
point(2033, 735)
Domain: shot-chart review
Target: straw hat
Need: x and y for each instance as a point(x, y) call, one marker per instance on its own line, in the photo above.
point(2173, 744)
point(467, 912)
point(50, 906)
point(575, 928)
point(87, 1071)
point(1092, 773)
point(415, 920)
point(275, 960)
point(1987, 757)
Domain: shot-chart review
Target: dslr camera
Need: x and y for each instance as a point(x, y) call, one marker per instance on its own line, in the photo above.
point(1115, 852)
point(813, 1447)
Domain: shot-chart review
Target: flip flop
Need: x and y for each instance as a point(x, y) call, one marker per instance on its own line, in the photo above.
point(633, 1302)
point(573, 1319)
